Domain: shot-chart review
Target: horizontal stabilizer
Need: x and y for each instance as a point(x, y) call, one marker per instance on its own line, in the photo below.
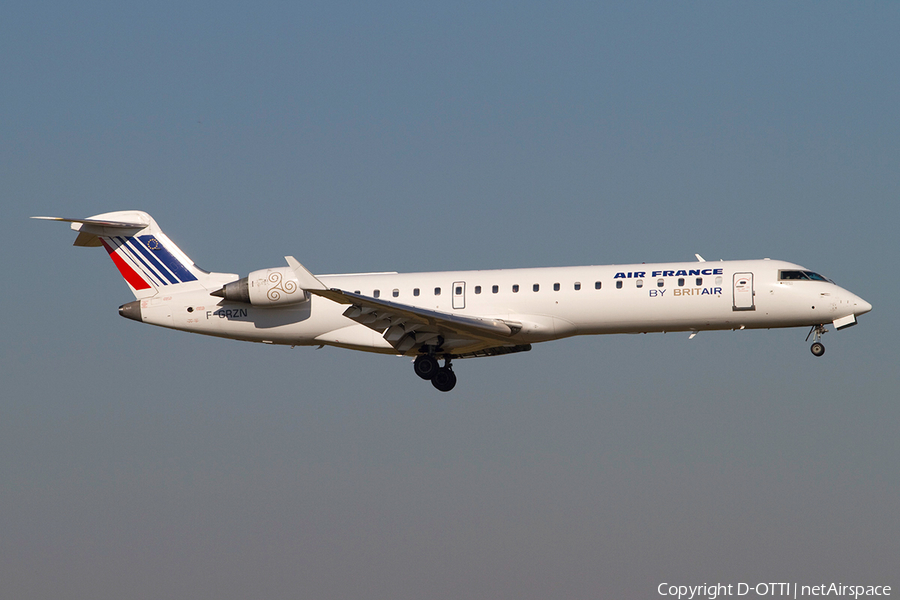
point(90, 230)
point(97, 222)
point(145, 257)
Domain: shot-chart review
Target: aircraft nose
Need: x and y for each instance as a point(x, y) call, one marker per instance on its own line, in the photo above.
point(861, 306)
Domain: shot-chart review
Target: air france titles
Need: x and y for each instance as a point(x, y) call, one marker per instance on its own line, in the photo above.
point(678, 291)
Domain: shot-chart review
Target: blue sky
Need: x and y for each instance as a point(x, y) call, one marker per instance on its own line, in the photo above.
point(137, 462)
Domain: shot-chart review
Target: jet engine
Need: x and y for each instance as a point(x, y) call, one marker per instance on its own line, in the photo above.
point(265, 287)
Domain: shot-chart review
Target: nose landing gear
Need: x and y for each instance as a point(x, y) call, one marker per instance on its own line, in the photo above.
point(817, 348)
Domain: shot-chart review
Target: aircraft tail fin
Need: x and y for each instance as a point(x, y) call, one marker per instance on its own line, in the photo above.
point(147, 259)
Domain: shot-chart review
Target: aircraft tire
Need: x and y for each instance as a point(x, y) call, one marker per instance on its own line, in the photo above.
point(818, 348)
point(444, 380)
point(426, 366)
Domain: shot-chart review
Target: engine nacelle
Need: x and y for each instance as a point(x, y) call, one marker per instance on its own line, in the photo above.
point(265, 287)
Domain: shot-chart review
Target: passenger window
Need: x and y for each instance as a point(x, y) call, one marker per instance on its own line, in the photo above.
point(437, 291)
point(516, 288)
point(395, 293)
point(577, 285)
point(699, 281)
point(495, 289)
point(458, 291)
point(639, 283)
point(555, 287)
point(416, 292)
point(680, 281)
point(376, 293)
point(477, 289)
point(660, 282)
point(536, 287)
point(619, 284)
point(597, 285)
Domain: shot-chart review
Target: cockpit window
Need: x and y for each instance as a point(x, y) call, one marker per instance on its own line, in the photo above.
point(792, 275)
point(815, 276)
point(801, 275)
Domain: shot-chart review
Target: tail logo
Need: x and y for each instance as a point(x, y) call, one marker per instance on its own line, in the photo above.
point(144, 262)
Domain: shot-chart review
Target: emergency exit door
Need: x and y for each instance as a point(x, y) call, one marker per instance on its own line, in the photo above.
point(459, 294)
point(743, 292)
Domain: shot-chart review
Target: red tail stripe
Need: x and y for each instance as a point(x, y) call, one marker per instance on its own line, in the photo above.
point(133, 279)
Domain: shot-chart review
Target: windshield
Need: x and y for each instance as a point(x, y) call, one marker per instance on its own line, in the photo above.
point(801, 276)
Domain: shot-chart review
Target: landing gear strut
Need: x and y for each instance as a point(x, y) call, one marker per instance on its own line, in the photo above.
point(442, 378)
point(817, 348)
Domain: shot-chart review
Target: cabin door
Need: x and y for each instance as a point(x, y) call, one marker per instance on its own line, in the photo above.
point(743, 291)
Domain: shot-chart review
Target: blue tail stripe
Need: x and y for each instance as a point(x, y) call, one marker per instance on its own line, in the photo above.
point(159, 276)
point(174, 265)
point(124, 248)
point(152, 260)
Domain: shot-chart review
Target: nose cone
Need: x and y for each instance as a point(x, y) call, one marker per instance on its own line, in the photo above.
point(861, 307)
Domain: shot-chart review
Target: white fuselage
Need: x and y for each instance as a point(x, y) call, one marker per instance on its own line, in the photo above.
point(549, 303)
point(456, 314)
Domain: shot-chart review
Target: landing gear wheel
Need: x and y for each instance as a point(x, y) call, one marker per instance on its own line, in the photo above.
point(444, 380)
point(426, 366)
point(817, 331)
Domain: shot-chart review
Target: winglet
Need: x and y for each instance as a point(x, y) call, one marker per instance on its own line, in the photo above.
point(700, 258)
point(305, 279)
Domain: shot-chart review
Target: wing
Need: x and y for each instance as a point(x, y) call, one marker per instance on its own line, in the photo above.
point(408, 327)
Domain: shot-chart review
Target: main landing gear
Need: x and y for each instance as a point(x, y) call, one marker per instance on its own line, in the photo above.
point(442, 378)
point(817, 331)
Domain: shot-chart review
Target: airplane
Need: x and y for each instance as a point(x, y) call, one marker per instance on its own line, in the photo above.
point(458, 314)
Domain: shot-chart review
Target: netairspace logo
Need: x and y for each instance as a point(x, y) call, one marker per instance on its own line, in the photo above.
point(771, 589)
